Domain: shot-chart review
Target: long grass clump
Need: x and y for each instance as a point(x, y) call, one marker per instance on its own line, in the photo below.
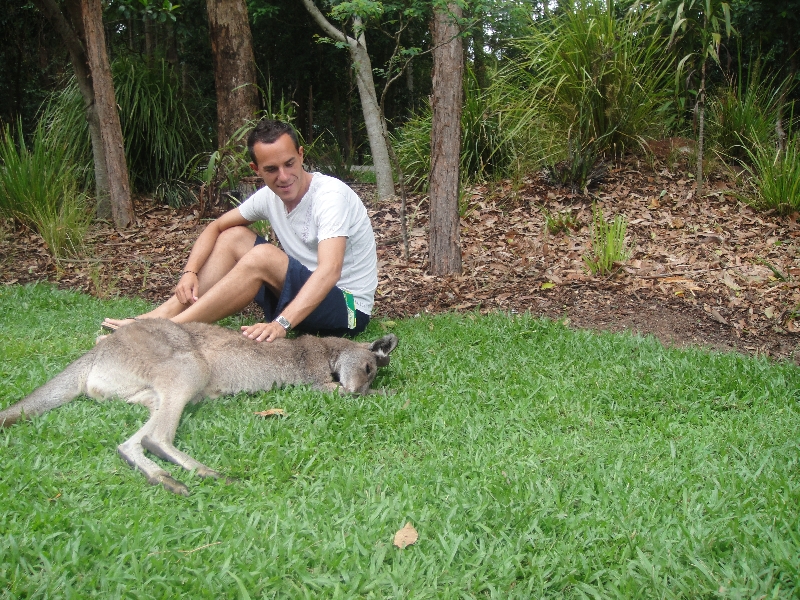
point(39, 189)
point(533, 460)
point(598, 80)
point(161, 134)
point(743, 114)
point(608, 243)
point(774, 176)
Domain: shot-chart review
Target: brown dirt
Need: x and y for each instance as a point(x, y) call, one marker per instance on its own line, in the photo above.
point(707, 272)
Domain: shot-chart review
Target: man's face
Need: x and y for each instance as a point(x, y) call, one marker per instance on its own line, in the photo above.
point(280, 165)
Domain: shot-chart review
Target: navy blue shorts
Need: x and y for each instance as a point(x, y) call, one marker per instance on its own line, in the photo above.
point(328, 319)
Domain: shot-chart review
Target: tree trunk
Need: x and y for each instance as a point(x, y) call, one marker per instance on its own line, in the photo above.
point(446, 102)
point(81, 30)
point(701, 121)
point(110, 128)
point(234, 66)
point(479, 54)
point(310, 114)
point(373, 118)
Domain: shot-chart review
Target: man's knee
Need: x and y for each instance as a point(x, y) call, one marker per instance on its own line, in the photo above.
point(267, 259)
point(238, 239)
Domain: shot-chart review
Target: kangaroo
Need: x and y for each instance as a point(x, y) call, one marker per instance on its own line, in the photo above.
point(164, 366)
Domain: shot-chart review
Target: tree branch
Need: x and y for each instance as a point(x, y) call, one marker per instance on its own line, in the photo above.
point(326, 25)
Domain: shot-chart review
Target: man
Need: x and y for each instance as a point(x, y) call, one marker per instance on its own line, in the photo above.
point(324, 282)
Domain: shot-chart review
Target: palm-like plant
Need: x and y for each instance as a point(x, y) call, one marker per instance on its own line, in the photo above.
point(598, 78)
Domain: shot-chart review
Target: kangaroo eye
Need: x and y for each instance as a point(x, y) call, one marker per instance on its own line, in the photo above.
point(369, 369)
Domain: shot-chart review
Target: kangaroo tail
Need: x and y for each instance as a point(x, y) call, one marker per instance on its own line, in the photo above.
point(63, 388)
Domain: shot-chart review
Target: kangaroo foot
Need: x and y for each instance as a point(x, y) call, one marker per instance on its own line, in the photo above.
point(169, 483)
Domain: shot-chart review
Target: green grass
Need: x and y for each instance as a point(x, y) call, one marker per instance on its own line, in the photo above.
point(533, 460)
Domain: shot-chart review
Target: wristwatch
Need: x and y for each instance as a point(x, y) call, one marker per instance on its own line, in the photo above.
point(283, 322)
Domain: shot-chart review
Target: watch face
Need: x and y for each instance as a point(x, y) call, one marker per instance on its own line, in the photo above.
point(281, 320)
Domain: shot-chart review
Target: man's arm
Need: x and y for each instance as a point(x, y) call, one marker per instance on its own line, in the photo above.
point(329, 269)
point(187, 290)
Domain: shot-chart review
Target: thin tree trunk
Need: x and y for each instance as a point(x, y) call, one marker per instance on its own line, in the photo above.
point(149, 40)
point(374, 121)
point(701, 119)
point(81, 30)
point(446, 102)
point(310, 132)
point(234, 66)
point(107, 113)
point(479, 54)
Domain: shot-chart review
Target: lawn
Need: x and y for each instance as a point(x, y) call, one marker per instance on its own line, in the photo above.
point(533, 460)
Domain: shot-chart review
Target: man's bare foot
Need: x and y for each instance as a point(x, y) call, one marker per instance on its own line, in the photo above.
point(114, 324)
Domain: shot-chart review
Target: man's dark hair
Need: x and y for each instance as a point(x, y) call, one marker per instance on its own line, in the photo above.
point(268, 131)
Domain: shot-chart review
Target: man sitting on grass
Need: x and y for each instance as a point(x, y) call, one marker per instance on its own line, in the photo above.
point(324, 279)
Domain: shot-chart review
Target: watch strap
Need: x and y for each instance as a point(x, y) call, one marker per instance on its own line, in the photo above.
point(283, 322)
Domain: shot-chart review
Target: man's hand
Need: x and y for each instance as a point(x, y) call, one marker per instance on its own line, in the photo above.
point(188, 288)
point(264, 332)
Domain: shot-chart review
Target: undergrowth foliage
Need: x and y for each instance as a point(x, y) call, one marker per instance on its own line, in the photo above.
point(161, 133)
point(774, 176)
point(487, 150)
point(743, 114)
point(39, 189)
point(608, 243)
point(597, 81)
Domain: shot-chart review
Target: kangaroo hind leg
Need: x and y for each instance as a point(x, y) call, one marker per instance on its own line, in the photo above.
point(159, 439)
point(171, 393)
point(132, 452)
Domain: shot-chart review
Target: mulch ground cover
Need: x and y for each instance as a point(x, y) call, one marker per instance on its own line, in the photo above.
point(708, 271)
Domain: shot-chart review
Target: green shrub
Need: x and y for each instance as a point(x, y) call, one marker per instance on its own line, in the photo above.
point(487, 150)
point(600, 82)
point(160, 132)
point(39, 189)
point(64, 119)
point(325, 155)
point(743, 115)
point(774, 176)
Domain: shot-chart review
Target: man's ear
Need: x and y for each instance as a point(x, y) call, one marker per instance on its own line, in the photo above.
point(254, 167)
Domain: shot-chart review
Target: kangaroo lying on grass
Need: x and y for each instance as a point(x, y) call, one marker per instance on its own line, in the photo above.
point(164, 366)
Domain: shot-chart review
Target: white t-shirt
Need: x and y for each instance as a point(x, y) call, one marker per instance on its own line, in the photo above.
point(328, 209)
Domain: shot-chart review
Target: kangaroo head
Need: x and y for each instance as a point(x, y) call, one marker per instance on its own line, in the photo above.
point(357, 366)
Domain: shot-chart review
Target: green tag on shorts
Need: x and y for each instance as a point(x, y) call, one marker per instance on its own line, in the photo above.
point(351, 309)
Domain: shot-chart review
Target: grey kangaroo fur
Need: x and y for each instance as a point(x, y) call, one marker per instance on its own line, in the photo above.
point(165, 366)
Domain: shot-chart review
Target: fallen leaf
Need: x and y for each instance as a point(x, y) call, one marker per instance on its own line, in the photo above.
point(718, 317)
point(728, 280)
point(548, 285)
point(406, 536)
point(271, 412)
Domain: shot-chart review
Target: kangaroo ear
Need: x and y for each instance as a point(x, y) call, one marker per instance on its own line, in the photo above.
point(382, 348)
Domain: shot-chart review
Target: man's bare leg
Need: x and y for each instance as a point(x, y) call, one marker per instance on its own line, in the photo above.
point(262, 265)
point(232, 245)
